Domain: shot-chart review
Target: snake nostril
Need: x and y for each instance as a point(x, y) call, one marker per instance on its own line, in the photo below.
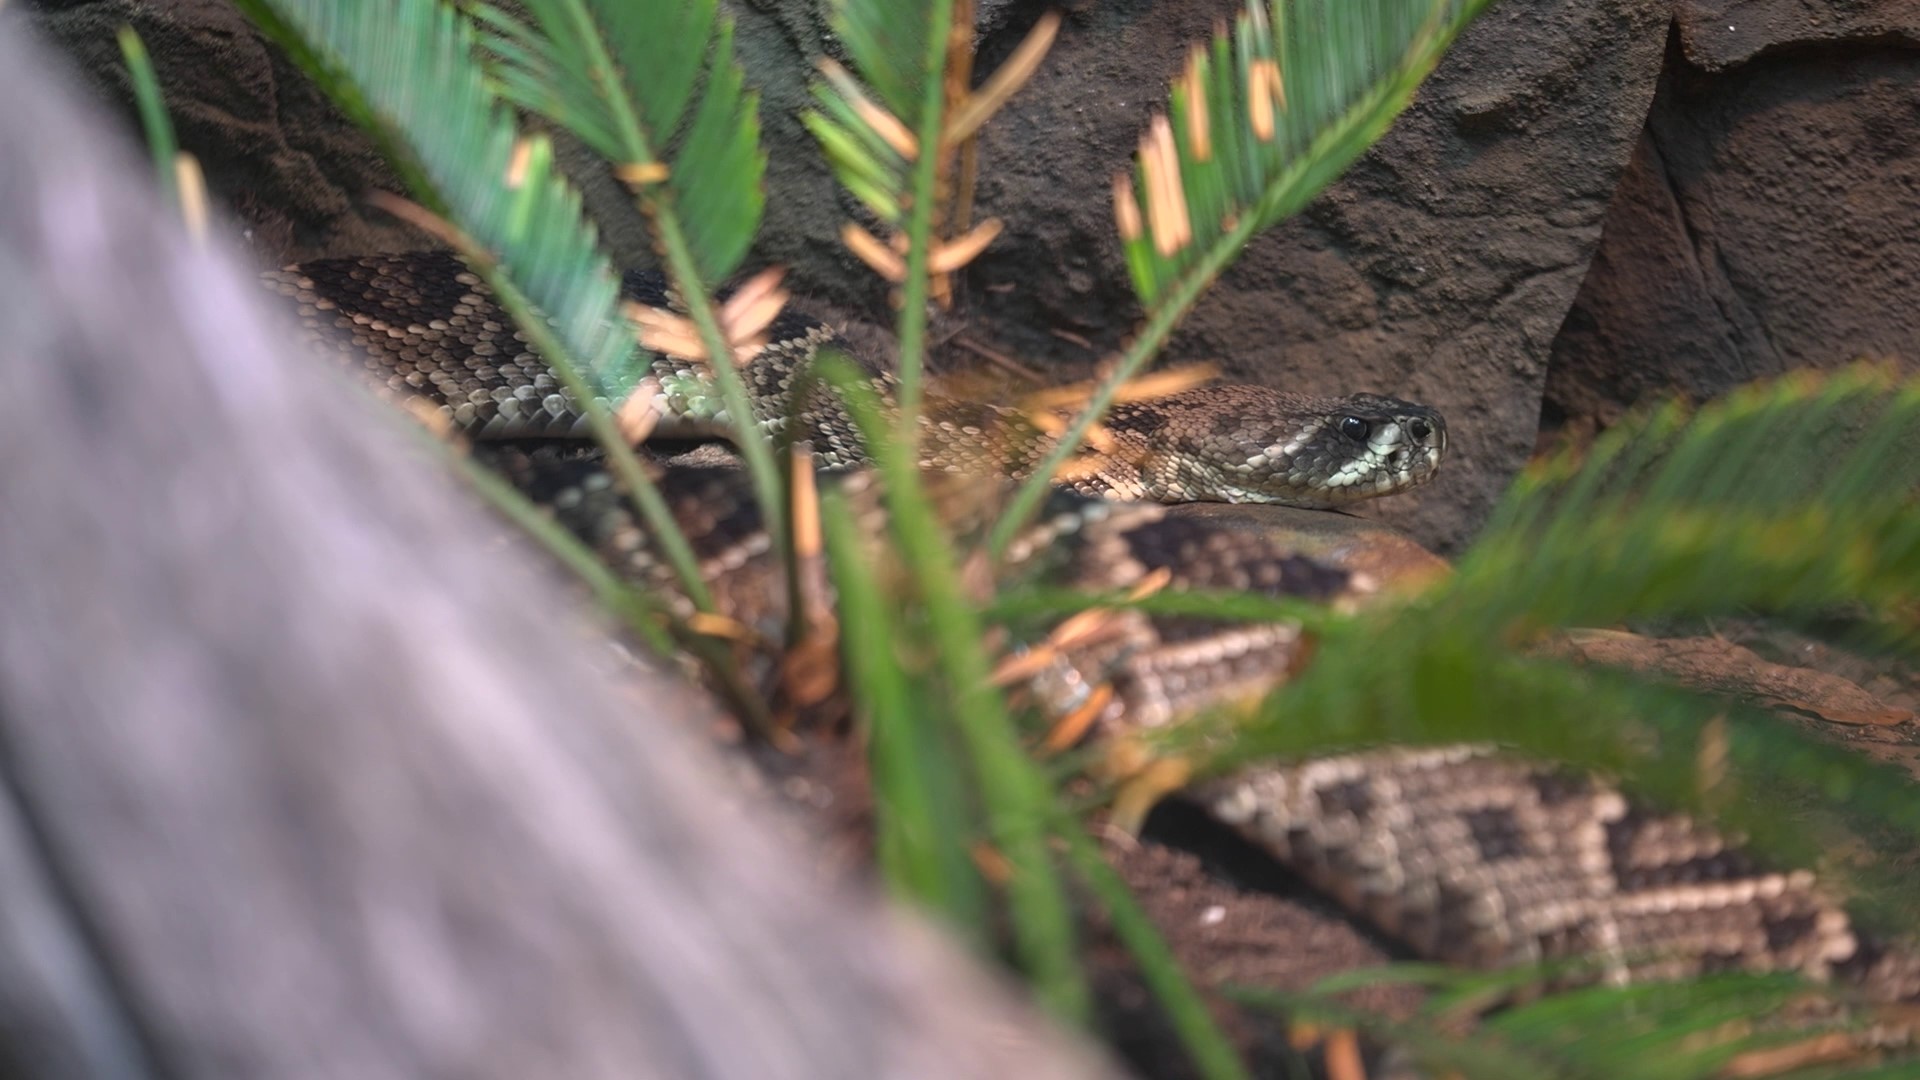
point(1420, 429)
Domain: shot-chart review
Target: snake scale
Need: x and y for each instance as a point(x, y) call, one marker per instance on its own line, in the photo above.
point(1459, 853)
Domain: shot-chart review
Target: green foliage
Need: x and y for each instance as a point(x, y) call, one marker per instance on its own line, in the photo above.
point(926, 820)
point(1793, 496)
point(1016, 799)
point(901, 50)
point(1268, 115)
point(890, 44)
point(871, 168)
point(409, 72)
point(1666, 516)
point(154, 121)
point(622, 76)
point(407, 68)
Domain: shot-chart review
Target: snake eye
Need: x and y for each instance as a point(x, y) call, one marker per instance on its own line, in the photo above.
point(1355, 428)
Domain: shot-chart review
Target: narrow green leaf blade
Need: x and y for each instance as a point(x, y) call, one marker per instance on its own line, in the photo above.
point(920, 815)
point(660, 47)
point(718, 171)
point(154, 121)
point(887, 41)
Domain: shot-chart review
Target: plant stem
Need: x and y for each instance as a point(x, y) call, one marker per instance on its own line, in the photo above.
point(920, 212)
point(1015, 794)
point(629, 605)
point(768, 485)
point(920, 820)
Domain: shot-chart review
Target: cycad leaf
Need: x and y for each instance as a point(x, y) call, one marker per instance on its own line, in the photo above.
point(718, 171)
point(1789, 496)
point(874, 172)
point(659, 47)
point(622, 75)
point(887, 41)
point(411, 68)
point(1266, 117)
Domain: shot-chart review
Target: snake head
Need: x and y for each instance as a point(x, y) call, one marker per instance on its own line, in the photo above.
point(1242, 443)
point(1370, 445)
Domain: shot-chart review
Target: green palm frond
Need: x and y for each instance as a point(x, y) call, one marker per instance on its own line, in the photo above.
point(408, 69)
point(623, 76)
point(874, 123)
point(890, 153)
point(1792, 497)
point(874, 170)
point(656, 89)
point(889, 43)
point(1267, 115)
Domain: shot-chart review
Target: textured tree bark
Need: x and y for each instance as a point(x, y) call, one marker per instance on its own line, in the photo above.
point(301, 776)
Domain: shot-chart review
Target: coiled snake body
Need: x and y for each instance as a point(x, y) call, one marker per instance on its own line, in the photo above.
point(1460, 853)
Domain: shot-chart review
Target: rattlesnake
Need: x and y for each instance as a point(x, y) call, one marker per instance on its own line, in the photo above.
point(1460, 853)
point(423, 326)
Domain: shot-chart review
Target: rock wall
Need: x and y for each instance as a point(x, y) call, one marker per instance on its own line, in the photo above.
point(1770, 218)
point(1753, 163)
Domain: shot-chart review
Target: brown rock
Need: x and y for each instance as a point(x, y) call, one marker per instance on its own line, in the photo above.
point(1719, 34)
point(1767, 220)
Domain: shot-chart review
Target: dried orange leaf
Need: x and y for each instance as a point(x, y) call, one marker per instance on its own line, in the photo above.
point(880, 258)
point(753, 306)
point(1199, 139)
point(1126, 212)
point(1073, 726)
point(953, 255)
point(980, 105)
point(642, 173)
point(1166, 197)
point(719, 626)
